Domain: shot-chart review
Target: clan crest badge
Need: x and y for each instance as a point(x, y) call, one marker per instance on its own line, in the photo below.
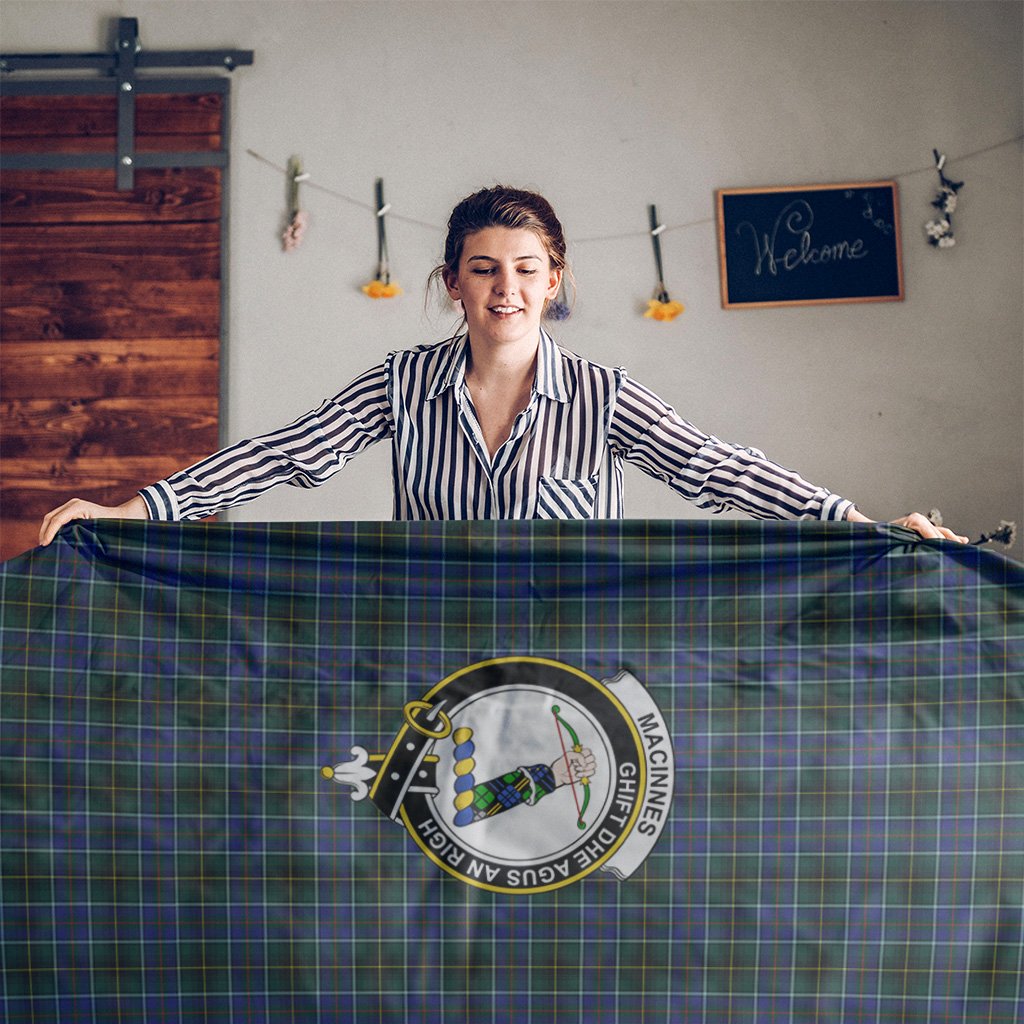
point(523, 775)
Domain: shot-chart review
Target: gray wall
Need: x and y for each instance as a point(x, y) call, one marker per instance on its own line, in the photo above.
point(606, 107)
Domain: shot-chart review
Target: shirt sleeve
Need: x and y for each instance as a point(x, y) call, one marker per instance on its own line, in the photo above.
point(305, 453)
point(711, 473)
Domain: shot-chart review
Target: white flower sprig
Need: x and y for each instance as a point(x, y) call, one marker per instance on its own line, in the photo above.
point(940, 231)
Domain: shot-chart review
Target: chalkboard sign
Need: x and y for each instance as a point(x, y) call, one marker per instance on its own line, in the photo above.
point(809, 245)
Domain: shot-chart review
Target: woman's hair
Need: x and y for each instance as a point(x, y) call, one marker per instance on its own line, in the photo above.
point(501, 207)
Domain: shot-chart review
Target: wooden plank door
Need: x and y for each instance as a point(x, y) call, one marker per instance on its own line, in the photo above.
point(110, 307)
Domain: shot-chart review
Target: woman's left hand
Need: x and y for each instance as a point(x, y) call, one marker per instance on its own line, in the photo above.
point(918, 523)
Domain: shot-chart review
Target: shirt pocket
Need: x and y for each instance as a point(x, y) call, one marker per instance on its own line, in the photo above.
point(566, 498)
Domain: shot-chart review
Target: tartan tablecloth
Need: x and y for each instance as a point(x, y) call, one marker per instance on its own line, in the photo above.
point(511, 772)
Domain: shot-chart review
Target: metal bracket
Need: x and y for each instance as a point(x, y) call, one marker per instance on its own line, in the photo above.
point(123, 65)
point(128, 46)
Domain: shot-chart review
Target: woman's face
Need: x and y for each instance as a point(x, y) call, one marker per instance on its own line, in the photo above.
point(504, 280)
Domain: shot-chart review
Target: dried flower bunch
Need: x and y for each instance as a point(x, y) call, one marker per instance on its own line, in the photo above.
point(559, 308)
point(1005, 533)
point(298, 218)
point(381, 287)
point(292, 236)
point(940, 231)
point(660, 307)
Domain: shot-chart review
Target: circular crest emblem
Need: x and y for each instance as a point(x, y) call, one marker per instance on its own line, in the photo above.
point(523, 774)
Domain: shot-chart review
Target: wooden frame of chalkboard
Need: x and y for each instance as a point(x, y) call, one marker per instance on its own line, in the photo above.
point(810, 245)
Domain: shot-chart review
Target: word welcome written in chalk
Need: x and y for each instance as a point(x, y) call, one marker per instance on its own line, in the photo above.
point(796, 220)
point(816, 244)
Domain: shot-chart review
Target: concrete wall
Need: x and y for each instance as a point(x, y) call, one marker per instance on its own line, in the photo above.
point(606, 107)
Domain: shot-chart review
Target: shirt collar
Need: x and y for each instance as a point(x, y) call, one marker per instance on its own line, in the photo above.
point(550, 378)
point(451, 370)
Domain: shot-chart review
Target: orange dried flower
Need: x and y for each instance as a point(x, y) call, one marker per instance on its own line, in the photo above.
point(380, 290)
point(665, 311)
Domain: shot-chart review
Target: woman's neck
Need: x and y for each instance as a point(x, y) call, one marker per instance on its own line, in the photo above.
point(500, 382)
point(502, 367)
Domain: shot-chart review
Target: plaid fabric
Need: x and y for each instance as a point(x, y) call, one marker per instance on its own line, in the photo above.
point(508, 791)
point(845, 840)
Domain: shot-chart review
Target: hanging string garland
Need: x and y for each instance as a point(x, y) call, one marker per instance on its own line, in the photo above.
point(382, 287)
point(940, 232)
point(660, 307)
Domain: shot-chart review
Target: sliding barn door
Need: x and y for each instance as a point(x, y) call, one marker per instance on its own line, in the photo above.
point(110, 305)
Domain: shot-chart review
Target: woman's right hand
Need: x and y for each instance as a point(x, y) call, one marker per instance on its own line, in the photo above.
point(76, 508)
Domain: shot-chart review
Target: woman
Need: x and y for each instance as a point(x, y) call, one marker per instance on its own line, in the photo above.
point(498, 422)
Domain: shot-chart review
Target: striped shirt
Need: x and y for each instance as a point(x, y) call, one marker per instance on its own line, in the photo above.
point(562, 460)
